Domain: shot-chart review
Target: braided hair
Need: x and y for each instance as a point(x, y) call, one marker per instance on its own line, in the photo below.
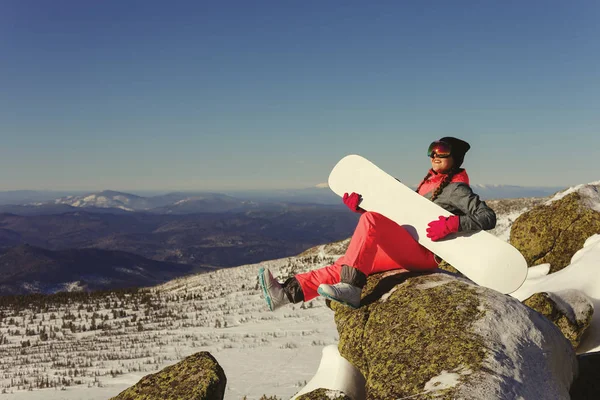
point(447, 179)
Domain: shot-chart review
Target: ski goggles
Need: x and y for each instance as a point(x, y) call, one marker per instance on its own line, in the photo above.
point(439, 149)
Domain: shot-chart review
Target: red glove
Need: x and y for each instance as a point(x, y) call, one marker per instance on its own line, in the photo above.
point(443, 227)
point(352, 202)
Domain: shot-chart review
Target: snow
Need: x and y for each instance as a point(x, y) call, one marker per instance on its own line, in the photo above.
point(261, 352)
point(588, 191)
point(581, 275)
point(97, 200)
point(180, 202)
point(445, 380)
point(504, 223)
point(337, 374)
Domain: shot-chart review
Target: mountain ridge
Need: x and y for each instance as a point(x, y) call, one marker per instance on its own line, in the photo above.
point(26, 266)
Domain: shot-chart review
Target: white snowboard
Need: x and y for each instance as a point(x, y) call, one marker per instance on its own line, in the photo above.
point(482, 257)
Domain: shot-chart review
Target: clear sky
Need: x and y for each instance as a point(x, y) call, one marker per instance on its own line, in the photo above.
point(134, 95)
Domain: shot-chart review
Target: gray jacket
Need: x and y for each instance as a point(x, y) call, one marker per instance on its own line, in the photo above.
point(459, 199)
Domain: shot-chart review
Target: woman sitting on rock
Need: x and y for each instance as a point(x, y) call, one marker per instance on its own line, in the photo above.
point(379, 244)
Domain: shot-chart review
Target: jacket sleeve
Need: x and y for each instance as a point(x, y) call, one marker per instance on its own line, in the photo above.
point(477, 215)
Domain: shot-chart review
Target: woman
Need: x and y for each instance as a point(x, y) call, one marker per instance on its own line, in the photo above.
point(379, 244)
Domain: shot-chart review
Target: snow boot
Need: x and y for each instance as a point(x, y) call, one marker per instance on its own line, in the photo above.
point(349, 290)
point(277, 295)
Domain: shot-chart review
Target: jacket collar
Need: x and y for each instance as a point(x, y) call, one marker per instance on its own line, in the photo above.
point(436, 178)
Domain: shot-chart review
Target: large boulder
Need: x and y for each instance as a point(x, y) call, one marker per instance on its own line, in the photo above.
point(575, 290)
point(553, 232)
point(197, 377)
point(437, 335)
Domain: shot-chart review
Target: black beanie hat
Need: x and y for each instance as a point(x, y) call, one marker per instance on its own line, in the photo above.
point(459, 149)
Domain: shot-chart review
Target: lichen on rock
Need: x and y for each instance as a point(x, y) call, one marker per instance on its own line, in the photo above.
point(553, 232)
point(441, 336)
point(571, 311)
point(197, 377)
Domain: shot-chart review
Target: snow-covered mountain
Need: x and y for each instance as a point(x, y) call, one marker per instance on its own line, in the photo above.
point(107, 199)
point(170, 203)
point(32, 196)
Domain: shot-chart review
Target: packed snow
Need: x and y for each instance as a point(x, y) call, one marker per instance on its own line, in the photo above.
point(222, 312)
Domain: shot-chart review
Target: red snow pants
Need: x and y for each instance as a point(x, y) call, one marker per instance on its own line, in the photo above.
point(378, 244)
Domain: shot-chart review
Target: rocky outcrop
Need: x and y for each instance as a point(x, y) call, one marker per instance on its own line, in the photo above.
point(573, 288)
point(439, 335)
point(553, 232)
point(570, 310)
point(197, 377)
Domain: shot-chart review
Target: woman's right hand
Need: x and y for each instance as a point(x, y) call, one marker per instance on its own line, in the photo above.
point(352, 201)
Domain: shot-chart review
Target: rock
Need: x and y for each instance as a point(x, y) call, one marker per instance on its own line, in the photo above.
point(570, 310)
point(440, 335)
point(197, 377)
point(587, 385)
point(580, 277)
point(324, 394)
point(553, 232)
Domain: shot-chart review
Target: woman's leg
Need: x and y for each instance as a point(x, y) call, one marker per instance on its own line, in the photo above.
point(378, 244)
point(310, 281)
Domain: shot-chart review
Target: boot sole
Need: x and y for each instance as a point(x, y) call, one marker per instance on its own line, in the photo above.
point(261, 281)
point(322, 293)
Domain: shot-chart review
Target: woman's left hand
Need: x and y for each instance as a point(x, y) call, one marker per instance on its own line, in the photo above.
point(442, 227)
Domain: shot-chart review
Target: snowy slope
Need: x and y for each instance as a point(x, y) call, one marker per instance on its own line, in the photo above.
point(222, 312)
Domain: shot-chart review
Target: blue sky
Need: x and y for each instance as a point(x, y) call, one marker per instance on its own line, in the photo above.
point(135, 95)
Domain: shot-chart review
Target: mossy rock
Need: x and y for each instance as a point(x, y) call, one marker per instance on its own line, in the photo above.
point(587, 384)
point(553, 233)
point(443, 265)
point(324, 394)
point(400, 336)
point(571, 325)
point(415, 330)
point(197, 377)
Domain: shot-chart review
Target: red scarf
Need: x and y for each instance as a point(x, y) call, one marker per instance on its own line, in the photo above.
point(435, 179)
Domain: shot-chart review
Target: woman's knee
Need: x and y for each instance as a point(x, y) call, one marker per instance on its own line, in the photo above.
point(370, 216)
point(374, 218)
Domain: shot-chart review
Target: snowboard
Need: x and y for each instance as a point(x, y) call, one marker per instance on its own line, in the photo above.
point(483, 258)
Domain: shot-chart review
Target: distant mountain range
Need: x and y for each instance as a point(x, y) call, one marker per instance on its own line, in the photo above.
point(201, 240)
point(43, 202)
point(112, 239)
point(171, 203)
